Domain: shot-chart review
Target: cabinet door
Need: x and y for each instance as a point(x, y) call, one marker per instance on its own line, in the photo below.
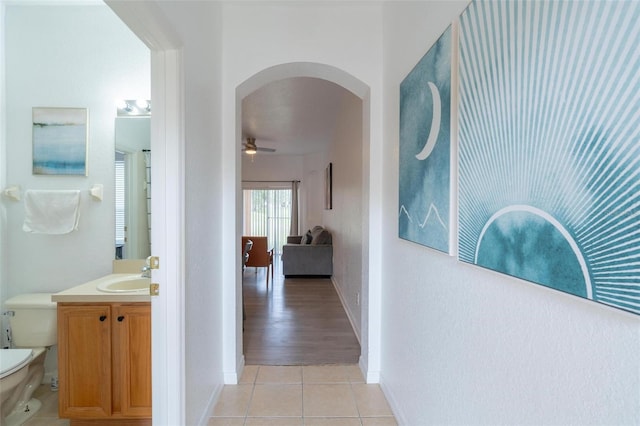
point(132, 359)
point(84, 361)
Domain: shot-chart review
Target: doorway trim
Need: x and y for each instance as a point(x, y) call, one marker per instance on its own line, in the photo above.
point(369, 363)
point(148, 23)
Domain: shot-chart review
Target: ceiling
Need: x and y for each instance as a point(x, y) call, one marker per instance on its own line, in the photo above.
point(295, 116)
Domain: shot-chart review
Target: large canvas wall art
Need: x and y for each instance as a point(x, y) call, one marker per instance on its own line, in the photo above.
point(549, 154)
point(425, 149)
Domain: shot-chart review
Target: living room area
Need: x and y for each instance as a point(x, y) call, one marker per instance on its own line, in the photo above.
point(311, 310)
point(295, 321)
point(292, 311)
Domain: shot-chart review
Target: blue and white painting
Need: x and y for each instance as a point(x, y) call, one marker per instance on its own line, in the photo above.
point(549, 154)
point(60, 141)
point(425, 149)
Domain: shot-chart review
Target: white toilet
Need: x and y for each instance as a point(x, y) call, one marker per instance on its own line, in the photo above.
point(34, 329)
point(14, 368)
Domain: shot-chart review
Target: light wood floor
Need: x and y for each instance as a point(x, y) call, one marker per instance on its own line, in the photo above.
point(297, 321)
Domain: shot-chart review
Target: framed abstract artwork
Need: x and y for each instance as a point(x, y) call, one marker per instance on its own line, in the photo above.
point(60, 138)
point(549, 145)
point(425, 148)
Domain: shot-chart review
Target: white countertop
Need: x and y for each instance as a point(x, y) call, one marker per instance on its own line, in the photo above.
point(88, 292)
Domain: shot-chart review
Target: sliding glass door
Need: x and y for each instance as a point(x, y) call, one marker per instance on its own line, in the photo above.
point(268, 212)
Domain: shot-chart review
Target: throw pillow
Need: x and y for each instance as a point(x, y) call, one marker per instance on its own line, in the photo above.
point(315, 232)
point(307, 238)
point(323, 238)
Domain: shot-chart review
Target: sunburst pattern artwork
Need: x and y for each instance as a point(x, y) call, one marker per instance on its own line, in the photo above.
point(425, 148)
point(549, 154)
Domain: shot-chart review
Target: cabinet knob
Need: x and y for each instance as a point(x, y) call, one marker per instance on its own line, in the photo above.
point(120, 318)
point(103, 317)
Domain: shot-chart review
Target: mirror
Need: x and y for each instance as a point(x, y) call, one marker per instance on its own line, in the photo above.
point(133, 183)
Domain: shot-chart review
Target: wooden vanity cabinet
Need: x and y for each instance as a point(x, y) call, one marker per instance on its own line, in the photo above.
point(104, 363)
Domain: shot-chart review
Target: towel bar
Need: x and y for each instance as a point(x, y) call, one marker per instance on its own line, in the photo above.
point(96, 191)
point(12, 193)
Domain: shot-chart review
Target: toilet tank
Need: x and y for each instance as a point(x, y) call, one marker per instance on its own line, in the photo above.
point(33, 323)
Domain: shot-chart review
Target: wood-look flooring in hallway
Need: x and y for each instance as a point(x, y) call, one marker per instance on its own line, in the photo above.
point(297, 321)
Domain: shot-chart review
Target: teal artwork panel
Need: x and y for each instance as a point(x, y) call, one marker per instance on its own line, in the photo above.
point(549, 145)
point(425, 149)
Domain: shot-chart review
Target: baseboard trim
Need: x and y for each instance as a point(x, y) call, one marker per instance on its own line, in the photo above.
point(211, 405)
point(110, 422)
point(355, 329)
point(393, 403)
point(233, 377)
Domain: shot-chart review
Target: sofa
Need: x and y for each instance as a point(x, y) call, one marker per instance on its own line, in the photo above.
point(308, 255)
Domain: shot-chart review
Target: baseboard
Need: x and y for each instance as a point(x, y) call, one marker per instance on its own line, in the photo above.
point(240, 369)
point(363, 368)
point(211, 405)
point(393, 403)
point(233, 377)
point(356, 330)
point(228, 379)
point(370, 376)
point(110, 422)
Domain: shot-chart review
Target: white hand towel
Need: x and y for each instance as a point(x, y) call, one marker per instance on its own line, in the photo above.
point(51, 212)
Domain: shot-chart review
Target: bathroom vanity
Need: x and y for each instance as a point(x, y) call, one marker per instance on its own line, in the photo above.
point(104, 355)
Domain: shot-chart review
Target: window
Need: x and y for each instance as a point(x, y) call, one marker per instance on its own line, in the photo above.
point(268, 212)
point(120, 201)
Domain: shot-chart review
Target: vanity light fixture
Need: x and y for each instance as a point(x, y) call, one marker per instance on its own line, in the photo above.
point(143, 104)
point(123, 105)
point(134, 108)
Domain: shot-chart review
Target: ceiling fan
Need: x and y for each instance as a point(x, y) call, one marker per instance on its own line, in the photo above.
point(251, 148)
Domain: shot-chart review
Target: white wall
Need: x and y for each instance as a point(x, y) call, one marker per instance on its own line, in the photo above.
point(265, 167)
point(65, 56)
point(463, 345)
point(313, 182)
point(345, 219)
point(198, 24)
point(258, 36)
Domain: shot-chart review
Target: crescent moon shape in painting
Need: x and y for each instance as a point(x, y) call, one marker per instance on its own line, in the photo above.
point(435, 124)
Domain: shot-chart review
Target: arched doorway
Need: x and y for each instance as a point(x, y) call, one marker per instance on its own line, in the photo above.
point(360, 91)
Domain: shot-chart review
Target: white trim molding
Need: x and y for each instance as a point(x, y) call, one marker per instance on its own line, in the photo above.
point(147, 21)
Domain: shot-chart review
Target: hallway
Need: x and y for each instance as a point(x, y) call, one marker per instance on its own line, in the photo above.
point(279, 396)
point(301, 358)
point(302, 396)
point(297, 321)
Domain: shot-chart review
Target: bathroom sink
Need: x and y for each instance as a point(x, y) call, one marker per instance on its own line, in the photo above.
point(126, 284)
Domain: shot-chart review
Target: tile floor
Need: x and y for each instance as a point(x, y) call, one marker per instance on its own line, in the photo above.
point(332, 395)
point(48, 413)
point(302, 396)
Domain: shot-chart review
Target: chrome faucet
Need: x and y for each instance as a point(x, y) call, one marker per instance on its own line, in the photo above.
point(146, 272)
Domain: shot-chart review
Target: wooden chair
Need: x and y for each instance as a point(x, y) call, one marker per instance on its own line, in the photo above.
point(260, 256)
point(248, 244)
